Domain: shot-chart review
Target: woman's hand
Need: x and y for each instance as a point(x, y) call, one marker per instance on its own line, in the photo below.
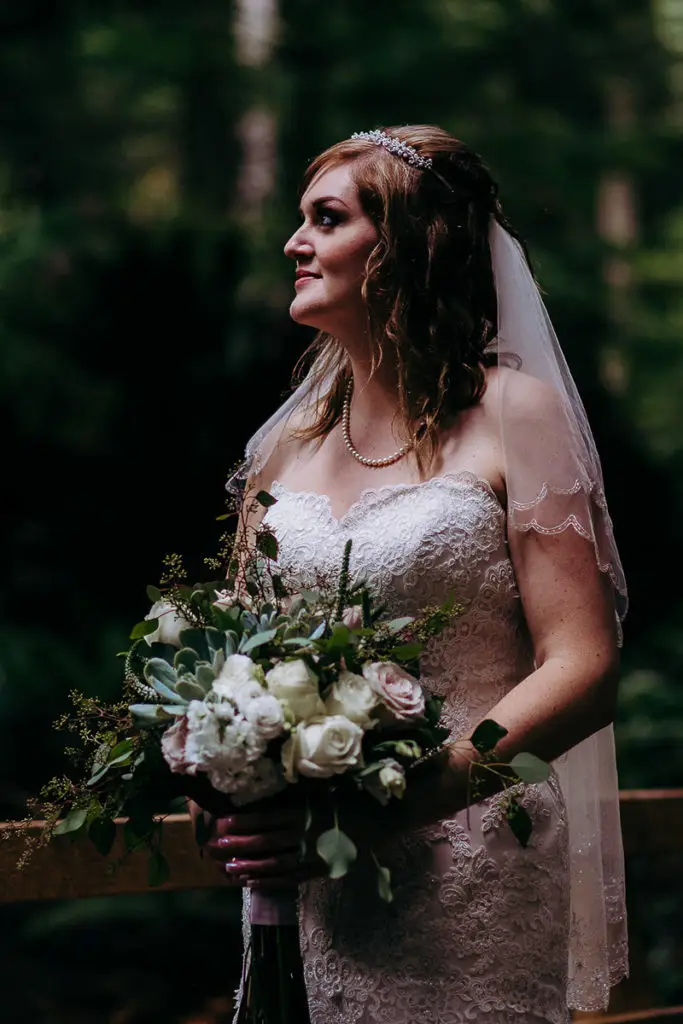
point(265, 848)
point(269, 846)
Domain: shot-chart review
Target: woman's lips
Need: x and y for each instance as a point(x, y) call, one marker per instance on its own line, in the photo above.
point(303, 278)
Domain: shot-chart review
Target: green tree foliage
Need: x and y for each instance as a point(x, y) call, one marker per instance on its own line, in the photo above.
point(144, 318)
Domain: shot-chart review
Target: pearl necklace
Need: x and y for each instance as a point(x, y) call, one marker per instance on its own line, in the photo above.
point(346, 431)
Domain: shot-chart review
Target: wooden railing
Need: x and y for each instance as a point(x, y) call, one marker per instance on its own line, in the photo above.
point(652, 824)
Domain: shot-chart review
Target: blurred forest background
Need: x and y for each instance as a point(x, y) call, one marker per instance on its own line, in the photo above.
point(150, 156)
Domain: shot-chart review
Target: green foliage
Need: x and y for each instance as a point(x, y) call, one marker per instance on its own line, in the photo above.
point(337, 850)
point(485, 737)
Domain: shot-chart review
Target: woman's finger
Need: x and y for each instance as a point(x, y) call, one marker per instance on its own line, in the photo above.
point(303, 874)
point(227, 847)
point(259, 821)
point(278, 865)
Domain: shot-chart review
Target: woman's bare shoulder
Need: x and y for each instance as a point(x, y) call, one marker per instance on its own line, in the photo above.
point(525, 396)
point(284, 447)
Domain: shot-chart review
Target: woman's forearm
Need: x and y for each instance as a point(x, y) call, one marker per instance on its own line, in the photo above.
point(547, 713)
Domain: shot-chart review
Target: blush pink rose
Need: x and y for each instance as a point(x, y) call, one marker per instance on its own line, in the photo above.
point(173, 746)
point(400, 692)
point(352, 617)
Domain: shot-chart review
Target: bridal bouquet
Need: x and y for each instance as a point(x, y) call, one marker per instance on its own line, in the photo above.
point(245, 689)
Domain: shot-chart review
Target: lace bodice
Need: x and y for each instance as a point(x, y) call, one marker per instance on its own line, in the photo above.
point(478, 928)
point(415, 544)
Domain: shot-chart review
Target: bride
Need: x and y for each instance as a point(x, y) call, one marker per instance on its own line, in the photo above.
point(439, 428)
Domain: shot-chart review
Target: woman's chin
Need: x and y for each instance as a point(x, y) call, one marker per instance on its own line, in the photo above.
point(306, 314)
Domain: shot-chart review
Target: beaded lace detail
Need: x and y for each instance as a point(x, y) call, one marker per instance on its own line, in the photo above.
point(478, 930)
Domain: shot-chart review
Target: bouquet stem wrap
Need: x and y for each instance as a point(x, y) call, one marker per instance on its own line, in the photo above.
point(273, 989)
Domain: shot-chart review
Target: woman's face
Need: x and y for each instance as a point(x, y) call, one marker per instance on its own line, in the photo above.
point(331, 248)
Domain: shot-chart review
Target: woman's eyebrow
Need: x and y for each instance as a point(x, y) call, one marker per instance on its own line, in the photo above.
point(322, 200)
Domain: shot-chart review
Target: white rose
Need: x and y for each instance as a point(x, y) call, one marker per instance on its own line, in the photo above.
point(296, 685)
point(351, 695)
point(170, 625)
point(323, 748)
point(239, 680)
point(266, 715)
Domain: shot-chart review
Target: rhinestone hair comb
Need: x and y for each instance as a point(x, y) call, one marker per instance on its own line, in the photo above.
point(398, 148)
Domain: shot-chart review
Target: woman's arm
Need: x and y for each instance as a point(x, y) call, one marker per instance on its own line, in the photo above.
point(572, 692)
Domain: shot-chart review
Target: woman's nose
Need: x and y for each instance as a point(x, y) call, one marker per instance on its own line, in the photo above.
point(298, 246)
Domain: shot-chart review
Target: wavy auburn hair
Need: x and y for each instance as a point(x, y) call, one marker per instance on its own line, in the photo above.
point(429, 286)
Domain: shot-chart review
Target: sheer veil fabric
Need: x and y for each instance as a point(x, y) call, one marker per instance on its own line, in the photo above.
point(554, 483)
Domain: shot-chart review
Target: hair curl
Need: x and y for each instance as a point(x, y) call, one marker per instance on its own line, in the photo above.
point(428, 287)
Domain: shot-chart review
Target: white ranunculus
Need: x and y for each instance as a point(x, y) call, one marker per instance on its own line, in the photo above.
point(323, 748)
point(170, 625)
point(258, 780)
point(296, 685)
point(203, 741)
point(351, 695)
point(240, 680)
point(266, 715)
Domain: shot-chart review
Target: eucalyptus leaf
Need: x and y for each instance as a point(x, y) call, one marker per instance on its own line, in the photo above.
point(143, 628)
point(529, 767)
point(384, 883)
point(298, 641)
point(319, 631)
point(486, 735)
point(267, 544)
point(407, 652)
point(154, 594)
point(202, 830)
point(265, 499)
point(257, 640)
point(99, 774)
point(124, 747)
point(131, 838)
point(102, 833)
point(341, 635)
point(158, 870)
point(337, 850)
point(519, 821)
point(74, 820)
point(396, 625)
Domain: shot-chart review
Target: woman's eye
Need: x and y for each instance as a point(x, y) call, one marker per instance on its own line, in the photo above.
point(327, 218)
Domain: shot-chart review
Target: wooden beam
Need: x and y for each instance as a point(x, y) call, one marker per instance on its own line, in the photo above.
point(67, 869)
point(668, 1013)
point(652, 822)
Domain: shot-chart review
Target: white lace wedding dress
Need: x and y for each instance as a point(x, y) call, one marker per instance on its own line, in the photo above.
point(478, 930)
